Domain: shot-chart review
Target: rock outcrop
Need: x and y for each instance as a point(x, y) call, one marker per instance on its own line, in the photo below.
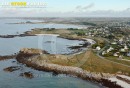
point(27, 75)
point(7, 57)
point(12, 68)
point(19, 35)
point(32, 51)
point(42, 65)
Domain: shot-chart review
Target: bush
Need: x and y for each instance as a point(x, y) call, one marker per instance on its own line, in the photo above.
point(80, 33)
point(72, 29)
point(94, 46)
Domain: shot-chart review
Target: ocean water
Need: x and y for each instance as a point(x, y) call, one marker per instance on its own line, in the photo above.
point(6, 28)
point(41, 79)
point(53, 45)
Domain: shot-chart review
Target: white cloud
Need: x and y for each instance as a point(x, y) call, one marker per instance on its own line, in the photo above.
point(84, 8)
point(128, 9)
point(10, 12)
point(89, 6)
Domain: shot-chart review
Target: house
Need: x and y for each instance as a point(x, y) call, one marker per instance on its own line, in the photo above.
point(114, 43)
point(121, 41)
point(125, 47)
point(116, 55)
point(120, 57)
point(103, 53)
point(98, 48)
point(110, 49)
point(122, 50)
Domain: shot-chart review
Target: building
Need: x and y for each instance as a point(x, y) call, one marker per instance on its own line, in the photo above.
point(98, 48)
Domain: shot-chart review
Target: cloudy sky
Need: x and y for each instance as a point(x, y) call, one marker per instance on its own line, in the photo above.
point(70, 8)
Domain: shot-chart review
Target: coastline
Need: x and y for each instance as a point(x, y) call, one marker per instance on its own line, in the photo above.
point(12, 36)
point(120, 82)
point(47, 35)
point(31, 60)
point(97, 78)
point(7, 57)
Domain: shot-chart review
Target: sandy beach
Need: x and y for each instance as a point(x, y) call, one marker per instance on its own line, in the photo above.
point(46, 34)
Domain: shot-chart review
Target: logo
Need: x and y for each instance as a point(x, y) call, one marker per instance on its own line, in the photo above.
point(23, 5)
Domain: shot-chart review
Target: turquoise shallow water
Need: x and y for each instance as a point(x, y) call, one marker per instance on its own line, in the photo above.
point(41, 79)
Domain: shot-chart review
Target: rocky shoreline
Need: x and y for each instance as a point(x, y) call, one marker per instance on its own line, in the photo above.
point(100, 78)
point(11, 69)
point(7, 57)
point(123, 79)
point(84, 45)
point(12, 36)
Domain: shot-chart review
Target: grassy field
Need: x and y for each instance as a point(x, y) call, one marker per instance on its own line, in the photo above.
point(50, 31)
point(97, 64)
point(87, 61)
point(116, 59)
point(64, 33)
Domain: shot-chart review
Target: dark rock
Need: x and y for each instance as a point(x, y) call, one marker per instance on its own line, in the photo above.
point(13, 61)
point(12, 68)
point(12, 36)
point(55, 73)
point(7, 57)
point(109, 84)
point(84, 45)
point(32, 51)
point(27, 75)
